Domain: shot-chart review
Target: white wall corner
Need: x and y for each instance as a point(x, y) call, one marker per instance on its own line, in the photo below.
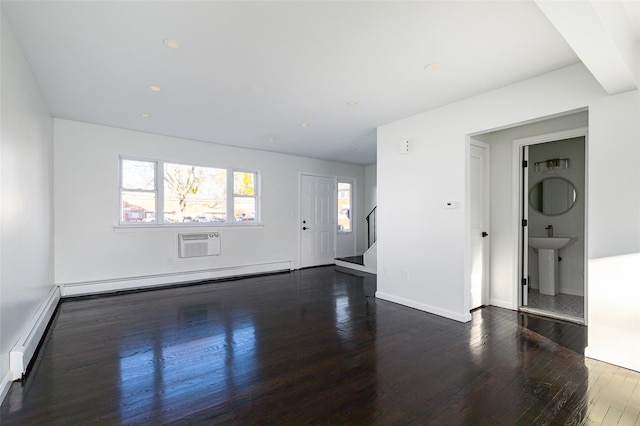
point(602, 37)
point(25, 348)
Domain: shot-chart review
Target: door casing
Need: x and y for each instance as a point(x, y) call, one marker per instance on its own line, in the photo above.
point(476, 239)
point(520, 206)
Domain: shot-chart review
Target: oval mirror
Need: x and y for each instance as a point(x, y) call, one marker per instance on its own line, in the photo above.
point(553, 196)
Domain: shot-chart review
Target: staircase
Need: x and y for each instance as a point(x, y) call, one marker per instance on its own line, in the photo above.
point(368, 262)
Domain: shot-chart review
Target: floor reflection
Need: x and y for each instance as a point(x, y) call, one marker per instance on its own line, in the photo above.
point(156, 375)
point(343, 318)
point(310, 347)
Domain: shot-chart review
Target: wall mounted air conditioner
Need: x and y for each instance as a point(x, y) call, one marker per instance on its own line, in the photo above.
point(196, 245)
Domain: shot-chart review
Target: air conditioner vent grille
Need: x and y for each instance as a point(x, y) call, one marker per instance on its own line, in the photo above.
point(197, 245)
point(193, 237)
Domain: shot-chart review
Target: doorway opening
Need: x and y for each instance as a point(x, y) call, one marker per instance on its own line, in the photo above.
point(553, 225)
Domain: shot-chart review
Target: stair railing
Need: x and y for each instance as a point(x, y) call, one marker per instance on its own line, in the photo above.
point(371, 227)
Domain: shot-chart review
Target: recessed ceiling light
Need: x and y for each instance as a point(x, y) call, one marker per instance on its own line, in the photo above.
point(304, 124)
point(172, 44)
point(154, 88)
point(352, 103)
point(431, 67)
point(145, 115)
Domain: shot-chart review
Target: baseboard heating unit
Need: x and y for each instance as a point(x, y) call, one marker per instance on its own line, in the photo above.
point(22, 353)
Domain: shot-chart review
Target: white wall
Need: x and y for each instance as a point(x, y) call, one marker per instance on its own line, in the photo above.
point(433, 249)
point(371, 201)
point(26, 216)
point(93, 255)
point(613, 302)
point(371, 195)
point(614, 175)
point(613, 217)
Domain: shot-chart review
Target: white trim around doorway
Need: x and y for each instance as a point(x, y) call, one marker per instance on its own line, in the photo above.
point(517, 146)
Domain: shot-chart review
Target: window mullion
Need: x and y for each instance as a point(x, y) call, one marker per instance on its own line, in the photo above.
point(159, 192)
point(231, 217)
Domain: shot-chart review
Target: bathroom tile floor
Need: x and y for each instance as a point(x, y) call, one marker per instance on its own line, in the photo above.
point(564, 304)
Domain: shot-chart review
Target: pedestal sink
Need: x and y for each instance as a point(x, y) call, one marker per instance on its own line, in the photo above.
point(548, 260)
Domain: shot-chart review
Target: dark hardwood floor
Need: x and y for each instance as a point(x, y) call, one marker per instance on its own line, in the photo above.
point(310, 347)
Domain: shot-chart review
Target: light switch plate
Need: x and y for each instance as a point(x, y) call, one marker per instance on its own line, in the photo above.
point(404, 146)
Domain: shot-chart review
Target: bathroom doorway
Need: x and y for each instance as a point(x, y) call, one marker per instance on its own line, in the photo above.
point(553, 225)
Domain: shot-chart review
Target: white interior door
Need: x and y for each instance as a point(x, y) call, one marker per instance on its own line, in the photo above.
point(479, 207)
point(317, 221)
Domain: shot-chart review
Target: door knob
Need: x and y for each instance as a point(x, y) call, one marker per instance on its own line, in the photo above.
point(484, 234)
point(304, 228)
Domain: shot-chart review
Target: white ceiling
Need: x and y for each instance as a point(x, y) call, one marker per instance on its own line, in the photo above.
point(248, 73)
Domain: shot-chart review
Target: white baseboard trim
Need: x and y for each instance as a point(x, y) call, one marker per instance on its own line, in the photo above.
point(613, 357)
point(139, 282)
point(355, 267)
point(571, 291)
point(25, 348)
point(5, 385)
point(502, 304)
point(461, 317)
point(563, 290)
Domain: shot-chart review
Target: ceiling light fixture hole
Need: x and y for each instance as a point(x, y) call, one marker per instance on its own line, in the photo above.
point(171, 44)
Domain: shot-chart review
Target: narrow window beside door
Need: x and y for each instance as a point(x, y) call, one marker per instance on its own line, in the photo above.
point(344, 207)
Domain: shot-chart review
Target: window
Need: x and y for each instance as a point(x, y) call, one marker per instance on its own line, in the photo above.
point(194, 194)
point(344, 207)
point(188, 194)
point(138, 192)
point(244, 196)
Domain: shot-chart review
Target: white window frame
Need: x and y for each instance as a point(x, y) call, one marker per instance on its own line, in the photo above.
point(256, 192)
point(159, 164)
point(145, 191)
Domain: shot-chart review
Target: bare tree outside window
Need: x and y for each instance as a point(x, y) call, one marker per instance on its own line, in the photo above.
point(195, 194)
point(244, 200)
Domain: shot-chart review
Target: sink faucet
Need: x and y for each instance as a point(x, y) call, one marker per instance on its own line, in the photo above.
point(549, 231)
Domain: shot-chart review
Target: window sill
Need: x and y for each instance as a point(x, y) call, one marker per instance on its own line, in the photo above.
point(188, 228)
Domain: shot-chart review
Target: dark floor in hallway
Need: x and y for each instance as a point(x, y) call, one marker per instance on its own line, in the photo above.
point(310, 347)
